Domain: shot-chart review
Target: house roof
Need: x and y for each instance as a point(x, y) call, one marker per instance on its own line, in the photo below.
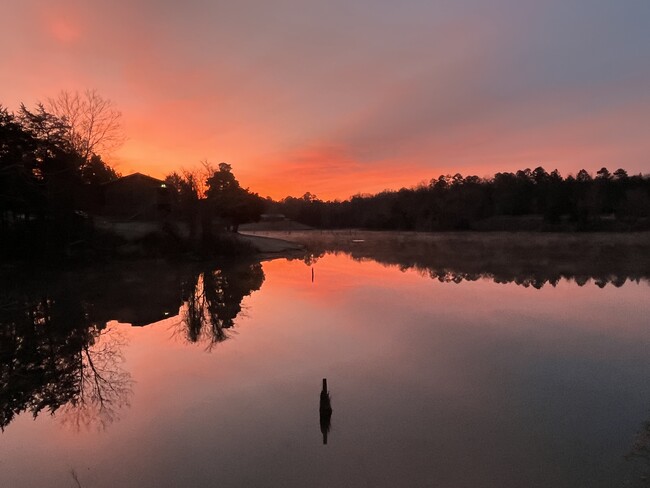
point(136, 176)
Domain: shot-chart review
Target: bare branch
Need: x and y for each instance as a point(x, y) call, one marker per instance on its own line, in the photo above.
point(94, 123)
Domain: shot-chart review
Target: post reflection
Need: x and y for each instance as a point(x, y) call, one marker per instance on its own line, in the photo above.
point(325, 411)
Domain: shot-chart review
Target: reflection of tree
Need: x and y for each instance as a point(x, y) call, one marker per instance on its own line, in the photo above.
point(103, 386)
point(535, 280)
point(53, 357)
point(455, 270)
point(215, 301)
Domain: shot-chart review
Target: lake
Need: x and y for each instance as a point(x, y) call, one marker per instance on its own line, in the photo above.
point(152, 375)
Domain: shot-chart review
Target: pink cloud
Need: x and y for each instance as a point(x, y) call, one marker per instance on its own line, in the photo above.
point(340, 99)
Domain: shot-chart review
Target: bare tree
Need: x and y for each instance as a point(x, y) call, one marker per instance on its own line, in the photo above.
point(200, 176)
point(94, 122)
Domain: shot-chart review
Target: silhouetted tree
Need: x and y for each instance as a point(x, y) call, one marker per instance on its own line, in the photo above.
point(185, 193)
point(93, 123)
point(96, 171)
point(227, 199)
point(45, 183)
point(20, 193)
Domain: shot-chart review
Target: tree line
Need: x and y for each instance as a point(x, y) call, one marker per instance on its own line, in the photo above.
point(524, 200)
point(50, 170)
point(51, 177)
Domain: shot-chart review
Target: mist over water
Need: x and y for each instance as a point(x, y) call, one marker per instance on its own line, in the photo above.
point(325, 371)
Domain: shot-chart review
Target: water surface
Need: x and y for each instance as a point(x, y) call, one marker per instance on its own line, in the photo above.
point(443, 381)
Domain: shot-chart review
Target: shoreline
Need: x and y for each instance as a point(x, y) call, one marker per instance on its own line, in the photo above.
point(509, 238)
point(540, 257)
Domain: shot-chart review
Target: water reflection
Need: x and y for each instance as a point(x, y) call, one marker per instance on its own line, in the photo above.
point(215, 301)
point(58, 355)
point(545, 389)
point(325, 411)
point(55, 356)
point(536, 275)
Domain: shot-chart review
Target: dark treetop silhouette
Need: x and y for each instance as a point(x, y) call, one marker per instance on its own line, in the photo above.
point(45, 183)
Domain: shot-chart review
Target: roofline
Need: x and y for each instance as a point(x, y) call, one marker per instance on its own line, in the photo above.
point(137, 174)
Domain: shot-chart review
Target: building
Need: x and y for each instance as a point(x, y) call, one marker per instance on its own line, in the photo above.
point(137, 197)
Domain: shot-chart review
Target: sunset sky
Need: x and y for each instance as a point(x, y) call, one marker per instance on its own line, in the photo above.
point(342, 97)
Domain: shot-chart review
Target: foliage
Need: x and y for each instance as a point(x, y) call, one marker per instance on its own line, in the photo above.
point(96, 171)
point(45, 184)
point(524, 200)
point(229, 201)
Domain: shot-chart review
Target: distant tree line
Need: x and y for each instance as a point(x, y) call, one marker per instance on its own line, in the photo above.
point(525, 200)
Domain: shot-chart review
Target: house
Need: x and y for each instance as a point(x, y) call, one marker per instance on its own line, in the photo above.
point(137, 197)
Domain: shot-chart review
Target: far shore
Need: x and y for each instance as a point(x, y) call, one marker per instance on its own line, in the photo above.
point(346, 237)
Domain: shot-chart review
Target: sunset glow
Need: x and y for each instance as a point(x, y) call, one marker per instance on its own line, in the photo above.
point(340, 98)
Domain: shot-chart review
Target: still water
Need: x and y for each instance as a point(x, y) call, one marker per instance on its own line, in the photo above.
point(434, 381)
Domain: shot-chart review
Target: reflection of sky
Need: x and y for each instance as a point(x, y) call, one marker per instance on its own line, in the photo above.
point(329, 97)
point(432, 385)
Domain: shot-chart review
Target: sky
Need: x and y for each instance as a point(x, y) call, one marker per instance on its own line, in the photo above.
point(347, 96)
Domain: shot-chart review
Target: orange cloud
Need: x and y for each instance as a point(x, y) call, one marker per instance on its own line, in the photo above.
point(330, 172)
point(307, 99)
